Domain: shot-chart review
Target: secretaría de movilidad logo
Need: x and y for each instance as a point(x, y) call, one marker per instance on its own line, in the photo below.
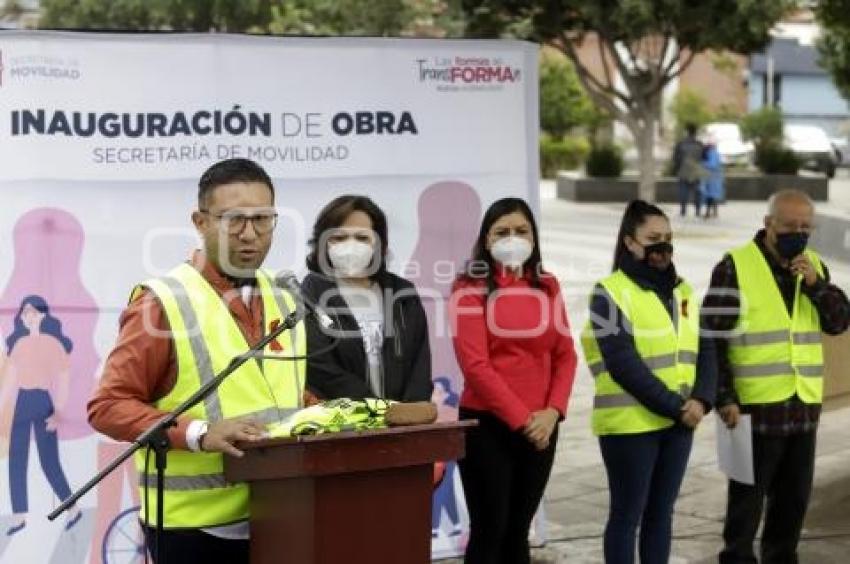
point(37, 67)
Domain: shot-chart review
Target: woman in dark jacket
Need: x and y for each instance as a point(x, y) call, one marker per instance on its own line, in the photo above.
point(383, 333)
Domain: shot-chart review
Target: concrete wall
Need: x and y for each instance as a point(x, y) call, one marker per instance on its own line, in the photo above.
point(719, 77)
point(739, 187)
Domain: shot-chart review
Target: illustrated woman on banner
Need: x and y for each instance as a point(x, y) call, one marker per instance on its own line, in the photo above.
point(5, 414)
point(35, 387)
point(444, 498)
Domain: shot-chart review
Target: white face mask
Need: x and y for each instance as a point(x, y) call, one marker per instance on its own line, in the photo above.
point(350, 258)
point(511, 251)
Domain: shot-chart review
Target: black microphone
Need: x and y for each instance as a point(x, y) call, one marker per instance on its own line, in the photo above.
point(287, 281)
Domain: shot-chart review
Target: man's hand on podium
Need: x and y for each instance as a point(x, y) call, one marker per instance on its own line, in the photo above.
point(222, 435)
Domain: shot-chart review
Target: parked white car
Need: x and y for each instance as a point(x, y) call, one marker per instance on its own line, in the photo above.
point(812, 146)
point(730, 144)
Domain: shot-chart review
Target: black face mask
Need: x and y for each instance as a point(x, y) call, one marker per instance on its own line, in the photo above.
point(660, 248)
point(663, 279)
point(790, 245)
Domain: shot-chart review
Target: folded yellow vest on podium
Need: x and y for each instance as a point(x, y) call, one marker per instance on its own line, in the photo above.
point(345, 414)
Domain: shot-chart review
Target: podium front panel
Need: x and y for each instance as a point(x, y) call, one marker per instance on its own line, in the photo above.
point(353, 497)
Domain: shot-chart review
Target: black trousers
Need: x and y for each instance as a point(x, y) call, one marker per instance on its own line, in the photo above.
point(190, 546)
point(503, 479)
point(689, 191)
point(784, 471)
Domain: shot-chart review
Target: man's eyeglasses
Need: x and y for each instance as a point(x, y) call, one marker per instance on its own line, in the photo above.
point(234, 222)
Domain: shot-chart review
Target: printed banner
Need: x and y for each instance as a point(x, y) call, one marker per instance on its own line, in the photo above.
point(102, 140)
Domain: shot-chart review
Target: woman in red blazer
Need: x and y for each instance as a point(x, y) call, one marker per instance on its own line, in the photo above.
point(513, 344)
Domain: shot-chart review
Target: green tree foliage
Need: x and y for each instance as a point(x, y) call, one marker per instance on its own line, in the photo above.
point(763, 126)
point(643, 45)
point(689, 106)
point(727, 112)
point(146, 15)
point(431, 18)
point(563, 102)
point(387, 18)
point(834, 44)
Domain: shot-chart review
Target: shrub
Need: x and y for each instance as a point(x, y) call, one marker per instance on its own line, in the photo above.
point(561, 154)
point(763, 126)
point(605, 161)
point(772, 158)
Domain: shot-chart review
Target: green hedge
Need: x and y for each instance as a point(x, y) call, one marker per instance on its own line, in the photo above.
point(561, 154)
point(772, 158)
point(605, 161)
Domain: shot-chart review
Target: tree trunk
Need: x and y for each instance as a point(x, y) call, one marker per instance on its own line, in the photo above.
point(645, 140)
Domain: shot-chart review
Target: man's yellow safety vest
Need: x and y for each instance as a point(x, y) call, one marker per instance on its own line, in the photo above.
point(206, 338)
point(774, 355)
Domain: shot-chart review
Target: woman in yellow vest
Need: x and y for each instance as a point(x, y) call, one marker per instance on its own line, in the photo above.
point(654, 378)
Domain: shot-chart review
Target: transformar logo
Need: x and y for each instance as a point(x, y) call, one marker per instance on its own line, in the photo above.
point(476, 70)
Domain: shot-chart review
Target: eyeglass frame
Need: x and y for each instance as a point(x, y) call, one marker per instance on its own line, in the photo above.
point(242, 219)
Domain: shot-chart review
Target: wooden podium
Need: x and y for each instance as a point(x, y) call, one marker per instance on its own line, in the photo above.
point(349, 497)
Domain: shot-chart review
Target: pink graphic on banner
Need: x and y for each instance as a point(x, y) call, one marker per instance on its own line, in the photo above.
point(48, 244)
point(449, 217)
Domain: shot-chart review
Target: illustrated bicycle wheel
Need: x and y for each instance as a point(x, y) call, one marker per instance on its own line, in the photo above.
point(124, 541)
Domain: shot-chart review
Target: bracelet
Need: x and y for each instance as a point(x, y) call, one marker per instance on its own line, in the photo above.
point(204, 428)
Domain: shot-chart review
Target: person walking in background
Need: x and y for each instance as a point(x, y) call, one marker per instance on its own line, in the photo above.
point(772, 299)
point(712, 185)
point(514, 348)
point(687, 159)
point(655, 380)
point(36, 382)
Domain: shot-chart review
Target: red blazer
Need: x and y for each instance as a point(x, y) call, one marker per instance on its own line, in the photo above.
point(515, 350)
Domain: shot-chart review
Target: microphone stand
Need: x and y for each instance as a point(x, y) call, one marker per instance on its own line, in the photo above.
point(156, 438)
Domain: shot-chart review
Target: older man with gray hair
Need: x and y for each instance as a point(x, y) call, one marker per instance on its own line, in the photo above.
point(768, 304)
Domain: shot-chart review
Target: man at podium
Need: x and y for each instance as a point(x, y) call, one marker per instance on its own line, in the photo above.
point(178, 332)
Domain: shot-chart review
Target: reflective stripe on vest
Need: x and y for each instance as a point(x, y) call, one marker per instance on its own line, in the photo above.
point(628, 400)
point(652, 362)
point(778, 336)
point(667, 346)
point(774, 355)
point(206, 337)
